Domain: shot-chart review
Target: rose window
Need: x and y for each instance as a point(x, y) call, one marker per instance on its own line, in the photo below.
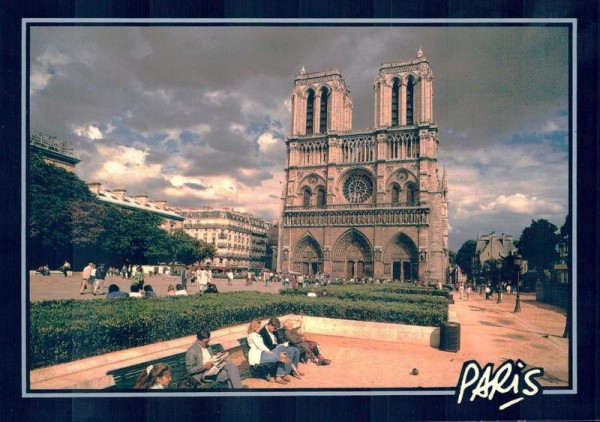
point(358, 188)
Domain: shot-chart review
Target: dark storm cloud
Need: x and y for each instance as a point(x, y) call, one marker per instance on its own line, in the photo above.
point(203, 97)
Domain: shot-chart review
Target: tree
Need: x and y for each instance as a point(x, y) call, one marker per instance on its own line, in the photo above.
point(188, 250)
point(538, 245)
point(510, 269)
point(465, 258)
point(490, 269)
point(53, 193)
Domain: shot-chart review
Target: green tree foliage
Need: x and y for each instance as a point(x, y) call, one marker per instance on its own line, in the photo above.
point(452, 257)
point(565, 230)
point(188, 250)
point(52, 195)
point(491, 270)
point(537, 244)
point(510, 269)
point(464, 258)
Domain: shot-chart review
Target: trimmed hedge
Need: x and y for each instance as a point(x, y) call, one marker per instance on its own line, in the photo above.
point(63, 331)
point(370, 288)
point(378, 295)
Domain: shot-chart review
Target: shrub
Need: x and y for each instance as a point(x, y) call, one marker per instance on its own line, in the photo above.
point(63, 331)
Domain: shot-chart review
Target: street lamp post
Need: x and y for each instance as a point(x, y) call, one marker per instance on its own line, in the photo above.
point(518, 300)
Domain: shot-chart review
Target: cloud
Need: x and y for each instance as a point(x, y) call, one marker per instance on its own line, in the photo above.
point(172, 110)
point(91, 132)
point(521, 204)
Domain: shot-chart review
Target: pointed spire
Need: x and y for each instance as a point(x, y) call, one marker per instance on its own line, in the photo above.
point(303, 71)
point(444, 180)
point(420, 53)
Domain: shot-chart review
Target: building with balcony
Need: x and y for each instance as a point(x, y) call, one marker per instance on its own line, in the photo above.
point(240, 239)
point(54, 150)
point(171, 220)
point(365, 203)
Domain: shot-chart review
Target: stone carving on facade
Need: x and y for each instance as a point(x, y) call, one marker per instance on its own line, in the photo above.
point(327, 253)
point(285, 253)
point(313, 180)
point(378, 251)
point(300, 174)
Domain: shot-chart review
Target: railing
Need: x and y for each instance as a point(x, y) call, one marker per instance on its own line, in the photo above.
point(368, 206)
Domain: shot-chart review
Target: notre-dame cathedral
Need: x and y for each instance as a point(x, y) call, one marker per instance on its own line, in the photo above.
point(365, 203)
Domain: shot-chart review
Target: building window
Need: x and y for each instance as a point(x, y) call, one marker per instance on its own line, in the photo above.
point(306, 197)
point(409, 101)
point(411, 194)
point(395, 193)
point(358, 188)
point(323, 109)
point(321, 198)
point(395, 96)
point(310, 111)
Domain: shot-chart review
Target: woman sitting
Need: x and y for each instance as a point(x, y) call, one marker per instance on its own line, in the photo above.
point(154, 377)
point(259, 353)
point(296, 339)
point(115, 293)
point(171, 290)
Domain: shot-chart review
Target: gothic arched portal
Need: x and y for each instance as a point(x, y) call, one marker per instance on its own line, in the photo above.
point(401, 258)
point(352, 255)
point(308, 257)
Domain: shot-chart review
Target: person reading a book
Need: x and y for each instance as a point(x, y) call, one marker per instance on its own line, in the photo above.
point(203, 366)
point(272, 337)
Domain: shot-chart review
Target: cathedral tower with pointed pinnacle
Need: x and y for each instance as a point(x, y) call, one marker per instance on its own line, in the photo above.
point(367, 203)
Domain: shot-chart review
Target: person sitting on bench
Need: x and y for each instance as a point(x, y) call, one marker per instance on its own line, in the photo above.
point(271, 341)
point(199, 364)
point(259, 353)
point(296, 339)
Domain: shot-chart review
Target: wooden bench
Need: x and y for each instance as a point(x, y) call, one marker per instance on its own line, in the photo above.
point(126, 377)
point(264, 370)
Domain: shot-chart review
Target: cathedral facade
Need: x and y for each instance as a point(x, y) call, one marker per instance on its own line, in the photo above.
point(365, 203)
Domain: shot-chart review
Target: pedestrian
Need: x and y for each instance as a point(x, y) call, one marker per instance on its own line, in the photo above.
point(468, 291)
point(248, 278)
point(508, 289)
point(92, 279)
point(124, 271)
point(85, 277)
point(229, 277)
point(488, 292)
point(184, 276)
point(203, 279)
point(66, 267)
point(461, 290)
point(99, 280)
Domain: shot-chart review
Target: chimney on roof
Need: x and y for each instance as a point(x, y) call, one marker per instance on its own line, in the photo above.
point(119, 193)
point(94, 188)
point(161, 203)
point(142, 199)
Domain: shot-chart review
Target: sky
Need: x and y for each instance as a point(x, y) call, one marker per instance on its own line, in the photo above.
point(198, 115)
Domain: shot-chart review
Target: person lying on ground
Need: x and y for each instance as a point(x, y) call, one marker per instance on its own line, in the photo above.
point(149, 291)
point(115, 293)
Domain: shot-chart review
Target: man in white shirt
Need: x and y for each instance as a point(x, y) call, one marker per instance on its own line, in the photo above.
point(85, 278)
point(229, 277)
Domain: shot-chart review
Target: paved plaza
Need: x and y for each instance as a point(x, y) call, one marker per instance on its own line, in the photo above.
point(490, 332)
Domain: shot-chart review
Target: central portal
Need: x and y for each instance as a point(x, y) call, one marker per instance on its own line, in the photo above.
point(352, 255)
